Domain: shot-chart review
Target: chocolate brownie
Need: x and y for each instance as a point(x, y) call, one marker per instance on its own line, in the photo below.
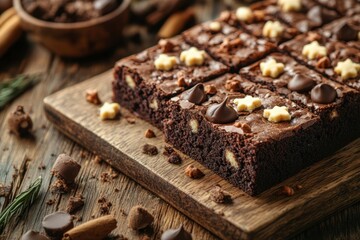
point(235, 48)
point(335, 59)
point(344, 7)
point(240, 144)
point(144, 82)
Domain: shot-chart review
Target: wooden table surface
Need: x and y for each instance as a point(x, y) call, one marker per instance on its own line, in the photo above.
point(23, 160)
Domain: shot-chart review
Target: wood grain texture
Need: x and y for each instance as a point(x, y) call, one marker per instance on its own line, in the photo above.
point(329, 185)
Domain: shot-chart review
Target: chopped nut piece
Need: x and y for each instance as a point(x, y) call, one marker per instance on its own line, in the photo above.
point(215, 26)
point(210, 89)
point(192, 57)
point(168, 151)
point(259, 15)
point(139, 218)
point(289, 5)
point(314, 50)
point(273, 29)
point(150, 150)
point(109, 111)
point(271, 68)
point(244, 14)
point(193, 172)
point(220, 196)
point(245, 127)
point(277, 114)
point(165, 62)
point(166, 45)
point(149, 133)
point(288, 191)
point(313, 36)
point(19, 122)
point(247, 104)
point(175, 158)
point(232, 85)
point(130, 120)
point(347, 69)
point(93, 97)
point(323, 62)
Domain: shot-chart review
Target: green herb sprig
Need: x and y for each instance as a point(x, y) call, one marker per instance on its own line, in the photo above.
point(20, 203)
point(9, 90)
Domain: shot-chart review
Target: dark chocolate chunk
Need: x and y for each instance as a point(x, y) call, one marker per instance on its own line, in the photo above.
point(176, 234)
point(150, 150)
point(56, 224)
point(66, 168)
point(323, 93)
point(32, 235)
point(174, 158)
point(105, 6)
point(346, 32)
point(219, 196)
point(301, 83)
point(139, 218)
point(320, 15)
point(75, 203)
point(195, 95)
point(19, 122)
point(221, 113)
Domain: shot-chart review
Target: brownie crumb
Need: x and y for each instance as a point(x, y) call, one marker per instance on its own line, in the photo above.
point(168, 151)
point(150, 150)
point(139, 218)
point(130, 120)
point(193, 172)
point(20, 122)
point(104, 206)
point(220, 196)
point(175, 158)
point(4, 190)
point(286, 190)
point(75, 203)
point(50, 202)
point(149, 133)
point(92, 96)
point(109, 176)
point(59, 186)
point(210, 89)
point(42, 166)
point(98, 160)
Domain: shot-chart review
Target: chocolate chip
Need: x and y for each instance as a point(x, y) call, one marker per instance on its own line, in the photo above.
point(323, 93)
point(176, 234)
point(175, 158)
point(32, 235)
point(219, 196)
point(221, 113)
point(20, 122)
point(149, 133)
point(193, 172)
point(56, 224)
point(139, 218)
point(320, 15)
point(74, 204)
point(346, 32)
point(150, 150)
point(301, 83)
point(105, 6)
point(195, 95)
point(66, 168)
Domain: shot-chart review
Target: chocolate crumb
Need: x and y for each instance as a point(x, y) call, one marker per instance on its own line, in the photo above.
point(104, 206)
point(50, 202)
point(175, 158)
point(75, 203)
point(168, 151)
point(232, 85)
point(42, 166)
point(130, 120)
point(20, 122)
point(149, 133)
point(150, 150)
point(59, 186)
point(139, 218)
point(93, 97)
point(193, 172)
point(98, 160)
point(166, 45)
point(220, 196)
point(286, 190)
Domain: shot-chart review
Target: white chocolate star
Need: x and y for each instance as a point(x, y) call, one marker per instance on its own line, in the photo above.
point(271, 68)
point(109, 111)
point(277, 114)
point(272, 29)
point(165, 62)
point(244, 14)
point(347, 69)
point(314, 50)
point(192, 57)
point(215, 26)
point(248, 103)
point(289, 5)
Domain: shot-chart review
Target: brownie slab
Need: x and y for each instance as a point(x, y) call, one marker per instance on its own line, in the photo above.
point(231, 46)
point(243, 147)
point(139, 86)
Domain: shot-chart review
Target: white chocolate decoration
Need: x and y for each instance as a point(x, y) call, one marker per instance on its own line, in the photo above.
point(272, 29)
point(130, 81)
point(194, 125)
point(314, 50)
point(277, 114)
point(244, 14)
point(165, 62)
point(271, 68)
point(192, 57)
point(109, 111)
point(289, 5)
point(215, 26)
point(230, 157)
point(347, 69)
point(248, 103)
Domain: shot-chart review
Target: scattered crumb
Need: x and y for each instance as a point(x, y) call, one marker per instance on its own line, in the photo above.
point(50, 202)
point(122, 211)
point(104, 206)
point(42, 166)
point(108, 176)
point(75, 203)
point(5, 149)
point(175, 158)
point(149, 133)
point(43, 126)
point(145, 237)
point(150, 150)
point(92, 96)
point(168, 151)
point(59, 186)
point(193, 172)
point(98, 160)
point(117, 190)
point(220, 196)
point(286, 190)
point(4, 190)
point(83, 155)
point(130, 120)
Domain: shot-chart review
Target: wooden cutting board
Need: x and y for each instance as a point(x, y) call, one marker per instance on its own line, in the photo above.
point(328, 185)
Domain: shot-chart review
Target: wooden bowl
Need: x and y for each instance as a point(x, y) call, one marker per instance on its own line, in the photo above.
point(78, 39)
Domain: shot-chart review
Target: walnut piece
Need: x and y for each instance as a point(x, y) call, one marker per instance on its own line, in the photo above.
point(193, 172)
point(277, 114)
point(92, 96)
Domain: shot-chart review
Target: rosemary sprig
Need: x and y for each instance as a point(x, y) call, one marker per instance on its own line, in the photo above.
point(20, 203)
point(9, 90)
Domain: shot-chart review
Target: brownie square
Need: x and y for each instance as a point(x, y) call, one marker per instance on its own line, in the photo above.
point(139, 86)
point(231, 46)
point(336, 52)
point(344, 7)
point(245, 149)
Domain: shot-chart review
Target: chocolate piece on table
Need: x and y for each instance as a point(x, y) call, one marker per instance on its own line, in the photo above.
point(19, 122)
point(139, 218)
point(176, 234)
point(66, 168)
point(219, 196)
point(56, 224)
point(134, 73)
point(32, 235)
point(150, 150)
point(175, 158)
point(74, 204)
